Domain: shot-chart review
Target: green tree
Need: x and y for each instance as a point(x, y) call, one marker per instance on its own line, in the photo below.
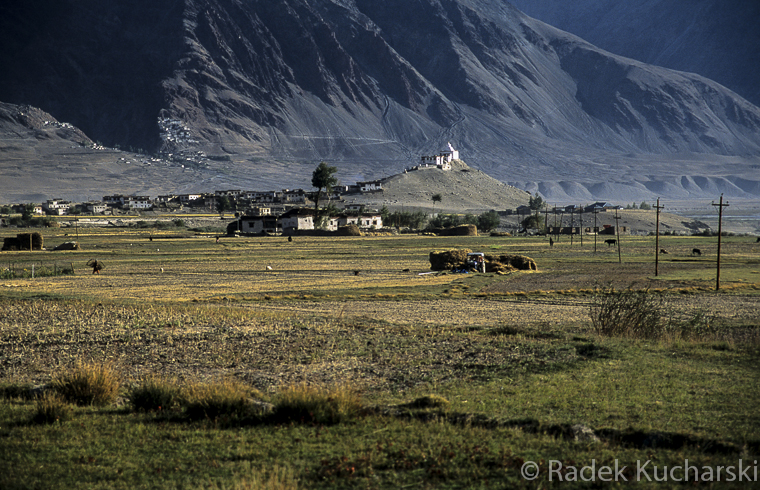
point(436, 198)
point(536, 203)
point(445, 221)
point(323, 179)
point(222, 205)
point(321, 220)
point(533, 221)
point(469, 219)
point(27, 213)
point(385, 214)
point(488, 221)
point(644, 205)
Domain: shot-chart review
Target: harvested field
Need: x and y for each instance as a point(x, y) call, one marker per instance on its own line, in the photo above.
point(510, 360)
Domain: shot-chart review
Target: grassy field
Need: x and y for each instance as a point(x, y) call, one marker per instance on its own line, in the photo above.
point(428, 380)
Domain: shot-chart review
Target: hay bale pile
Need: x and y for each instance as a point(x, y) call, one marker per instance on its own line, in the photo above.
point(515, 262)
point(447, 260)
point(68, 246)
point(499, 267)
point(461, 230)
point(22, 241)
point(457, 259)
point(349, 230)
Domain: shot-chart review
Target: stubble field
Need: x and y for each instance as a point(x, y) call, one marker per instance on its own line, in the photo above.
point(513, 352)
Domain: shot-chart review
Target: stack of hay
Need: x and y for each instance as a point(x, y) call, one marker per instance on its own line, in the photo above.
point(447, 260)
point(461, 230)
point(23, 241)
point(349, 230)
point(457, 259)
point(68, 246)
point(513, 262)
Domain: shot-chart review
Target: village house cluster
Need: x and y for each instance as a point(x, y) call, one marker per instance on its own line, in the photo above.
point(258, 211)
point(237, 200)
point(299, 219)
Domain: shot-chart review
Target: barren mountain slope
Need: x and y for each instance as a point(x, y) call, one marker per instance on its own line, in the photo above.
point(714, 38)
point(269, 88)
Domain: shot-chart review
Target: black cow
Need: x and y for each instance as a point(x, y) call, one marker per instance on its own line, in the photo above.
point(696, 251)
point(610, 242)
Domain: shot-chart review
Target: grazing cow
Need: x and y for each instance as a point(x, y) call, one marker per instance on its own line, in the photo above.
point(696, 251)
point(758, 240)
point(663, 251)
point(610, 242)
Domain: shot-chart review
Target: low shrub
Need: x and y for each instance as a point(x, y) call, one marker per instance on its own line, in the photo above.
point(428, 401)
point(88, 384)
point(627, 313)
point(227, 399)
point(316, 404)
point(12, 390)
point(155, 393)
point(51, 407)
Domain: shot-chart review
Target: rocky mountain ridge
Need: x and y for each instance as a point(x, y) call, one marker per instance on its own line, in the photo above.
point(270, 88)
point(713, 38)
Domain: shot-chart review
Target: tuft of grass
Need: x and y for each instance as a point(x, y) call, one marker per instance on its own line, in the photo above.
point(317, 404)
point(13, 390)
point(51, 407)
point(155, 393)
point(428, 401)
point(88, 384)
point(228, 399)
point(277, 478)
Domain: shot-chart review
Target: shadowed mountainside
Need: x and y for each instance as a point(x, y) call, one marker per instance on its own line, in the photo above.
point(275, 86)
point(714, 38)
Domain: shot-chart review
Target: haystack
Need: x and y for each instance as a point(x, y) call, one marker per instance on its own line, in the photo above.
point(499, 267)
point(457, 259)
point(519, 262)
point(349, 230)
point(447, 260)
point(68, 246)
point(461, 230)
point(22, 242)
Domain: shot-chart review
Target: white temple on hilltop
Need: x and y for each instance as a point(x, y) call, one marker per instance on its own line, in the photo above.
point(442, 160)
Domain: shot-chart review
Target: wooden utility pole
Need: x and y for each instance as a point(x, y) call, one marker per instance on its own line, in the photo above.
point(617, 232)
point(720, 232)
point(657, 240)
point(596, 230)
point(572, 224)
point(580, 218)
